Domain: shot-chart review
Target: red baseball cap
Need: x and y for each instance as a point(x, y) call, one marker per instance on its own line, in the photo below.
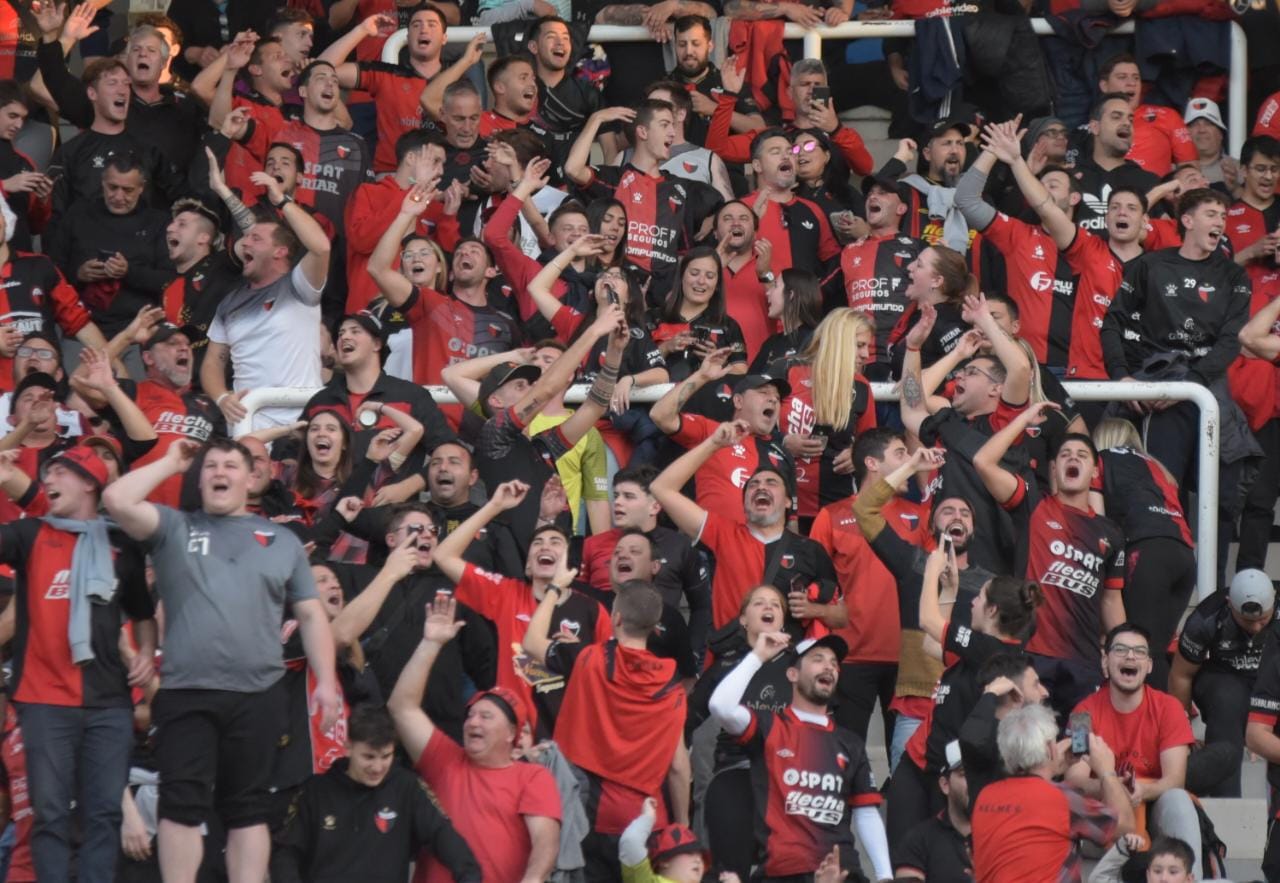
point(673, 840)
point(82, 461)
point(108, 441)
point(510, 703)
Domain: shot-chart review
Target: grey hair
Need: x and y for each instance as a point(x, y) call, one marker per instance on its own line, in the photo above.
point(1024, 736)
point(148, 31)
point(808, 66)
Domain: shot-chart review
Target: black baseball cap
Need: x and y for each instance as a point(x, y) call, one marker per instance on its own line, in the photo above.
point(38, 378)
point(832, 641)
point(755, 381)
point(503, 374)
point(373, 324)
point(166, 330)
point(890, 185)
point(942, 126)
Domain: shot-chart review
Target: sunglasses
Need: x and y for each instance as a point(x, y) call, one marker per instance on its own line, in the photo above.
point(429, 529)
point(806, 147)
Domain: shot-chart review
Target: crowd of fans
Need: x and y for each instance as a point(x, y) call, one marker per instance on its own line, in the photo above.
point(640, 635)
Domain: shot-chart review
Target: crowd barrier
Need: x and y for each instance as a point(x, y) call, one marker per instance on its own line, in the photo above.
point(1237, 123)
point(1206, 522)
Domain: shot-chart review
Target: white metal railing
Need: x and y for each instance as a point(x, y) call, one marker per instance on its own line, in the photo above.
point(1237, 123)
point(1086, 391)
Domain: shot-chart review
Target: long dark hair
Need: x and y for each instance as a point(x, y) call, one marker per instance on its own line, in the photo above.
point(1015, 601)
point(835, 177)
point(307, 482)
point(634, 309)
point(715, 307)
point(596, 210)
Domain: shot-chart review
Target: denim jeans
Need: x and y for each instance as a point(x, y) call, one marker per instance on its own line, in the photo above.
point(904, 728)
point(65, 746)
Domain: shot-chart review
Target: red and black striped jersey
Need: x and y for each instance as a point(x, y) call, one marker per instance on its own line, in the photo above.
point(34, 296)
point(1140, 497)
point(336, 161)
point(875, 277)
point(1041, 283)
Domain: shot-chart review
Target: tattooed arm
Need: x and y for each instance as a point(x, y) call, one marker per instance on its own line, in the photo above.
point(636, 13)
point(666, 410)
point(914, 406)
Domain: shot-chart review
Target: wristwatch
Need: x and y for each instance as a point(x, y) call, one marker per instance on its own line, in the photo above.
point(767, 277)
point(283, 202)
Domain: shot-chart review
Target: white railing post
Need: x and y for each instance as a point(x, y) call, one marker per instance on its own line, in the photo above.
point(1085, 391)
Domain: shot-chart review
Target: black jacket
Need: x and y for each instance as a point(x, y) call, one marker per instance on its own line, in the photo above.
point(83, 158)
point(89, 228)
point(338, 830)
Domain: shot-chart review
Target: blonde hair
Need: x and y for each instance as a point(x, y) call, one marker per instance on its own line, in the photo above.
point(832, 354)
point(1035, 392)
point(1116, 433)
point(441, 281)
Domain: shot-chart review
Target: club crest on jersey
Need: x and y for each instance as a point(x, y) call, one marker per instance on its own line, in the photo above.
point(911, 519)
point(330, 823)
point(385, 820)
point(690, 167)
point(1104, 546)
point(842, 760)
point(266, 308)
point(264, 538)
point(343, 152)
point(37, 295)
point(1033, 431)
point(570, 627)
point(787, 561)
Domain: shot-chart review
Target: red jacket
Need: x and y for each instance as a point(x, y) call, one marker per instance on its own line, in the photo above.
point(737, 148)
point(369, 213)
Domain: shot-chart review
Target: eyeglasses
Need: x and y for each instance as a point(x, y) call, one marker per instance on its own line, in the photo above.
point(1264, 169)
point(1054, 132)
point(975, 371)
point(429, 529)
point(807, 147)
point(418, 253)
point(27, 352)
point(1126, 650)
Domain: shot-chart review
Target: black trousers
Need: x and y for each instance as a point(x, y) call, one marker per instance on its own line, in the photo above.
point(1260, 504)
point(1223, 700)
point(913, 796)
point(730, 819)
point(1160, 576)
point(860, 685)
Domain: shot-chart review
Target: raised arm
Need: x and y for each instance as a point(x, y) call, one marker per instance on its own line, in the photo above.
point(687, 515)
point(541, 287)
point(126, 498)
point(559, 374)
point(1257, 337)
point(448, 555)
point(601, 392)
point(315, 263)
point(536, 641)
point(978, 213)
point(914, 403)
point(432, 98)
point(393, 285)
point(666, 410)
point(939, 567)
point(98, 381)
point(577, 166)
point(463, 378)
point(341, 48)
point(935, 375)
point(412, 724)
point(1000, 482)
point(360, 611)
point(725, 703)
point(207, 84)
point(1016, 388)
point(1004, 143)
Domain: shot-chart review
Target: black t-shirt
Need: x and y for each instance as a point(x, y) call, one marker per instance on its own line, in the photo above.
point(715, 400)
point(1264, 703)
point(1212, 639)
point(1096, 186)
point(504, 452)
point(935, 849)
point(640, 355)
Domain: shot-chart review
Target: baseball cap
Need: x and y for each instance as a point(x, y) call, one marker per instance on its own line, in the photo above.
point(670, 841)
point(1252, 593)
point(37, 378)
point(507, 700)
point(503, 374)
point(833, 642)
point(366, 320)
point(166, 330)
point(1204, 109)
point(755, 381)
point(82, 461)
point(884, 182)
point(942, 126)
point(110, 442)
point(954, 761)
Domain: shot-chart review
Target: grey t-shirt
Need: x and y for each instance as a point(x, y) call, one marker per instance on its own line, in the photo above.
point(224, 581)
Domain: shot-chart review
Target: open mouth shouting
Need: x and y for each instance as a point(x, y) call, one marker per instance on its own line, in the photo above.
point(956, 530)
point(761, 499)
point(625, 567)
point(786, 167)
point(545, 559)
point(347, 346)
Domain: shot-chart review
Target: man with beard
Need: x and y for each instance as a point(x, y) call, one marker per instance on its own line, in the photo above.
point(800, 758)
point(36, 296)
point(943, 150)
point(113, 244)
point(386, 616)
point(757, 549)
point(510, 603)
point(1150, 734)
point(373, 207)
point(663, 213)
point(1160, 137)
point(167, 400)
point(797, 228)
point(694, 71)
point(681, 577)
point(564, 100)
point(1111, 126)
point(206, 273)
point(268, 329)
point(874, 267)
point(463, 323)
point(395, 88)
point(756, 402)
point(937, 849)
point(169, 119)
point(1075, 554)
point(1192, 301)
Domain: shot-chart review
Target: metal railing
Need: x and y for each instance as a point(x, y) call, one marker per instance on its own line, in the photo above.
point(1237, 123)
point(1085, 391)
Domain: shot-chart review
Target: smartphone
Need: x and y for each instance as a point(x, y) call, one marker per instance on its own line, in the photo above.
point(701, 335)
point(612, 295)
point(105, 254)
point(821, 94)
point(1079, 725)
point(53, 173)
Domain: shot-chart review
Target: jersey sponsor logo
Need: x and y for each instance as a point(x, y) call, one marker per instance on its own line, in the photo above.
point(1063, 573)
point(385, 819)
point(785, 752)
point(59, 587)
point(823, 808)
point(963, 635)
point(189, 425)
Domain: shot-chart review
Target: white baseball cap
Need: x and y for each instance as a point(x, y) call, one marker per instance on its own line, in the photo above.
point(1204, 109)
point(1252, 593)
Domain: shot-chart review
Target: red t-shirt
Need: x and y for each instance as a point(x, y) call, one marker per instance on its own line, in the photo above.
point(395, 91)
point(744, 300)
point(487, 807)
point(21, 869)
point(1160, 139)
point(721, 479)
point(739, 564)
point(1139, 736)
point(869, 589)
point(1101, 273)
point(509, 604)
point(1025, 831)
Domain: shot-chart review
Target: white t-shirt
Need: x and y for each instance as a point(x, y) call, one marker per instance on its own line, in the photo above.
point(546, 201)
point(274, 336)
